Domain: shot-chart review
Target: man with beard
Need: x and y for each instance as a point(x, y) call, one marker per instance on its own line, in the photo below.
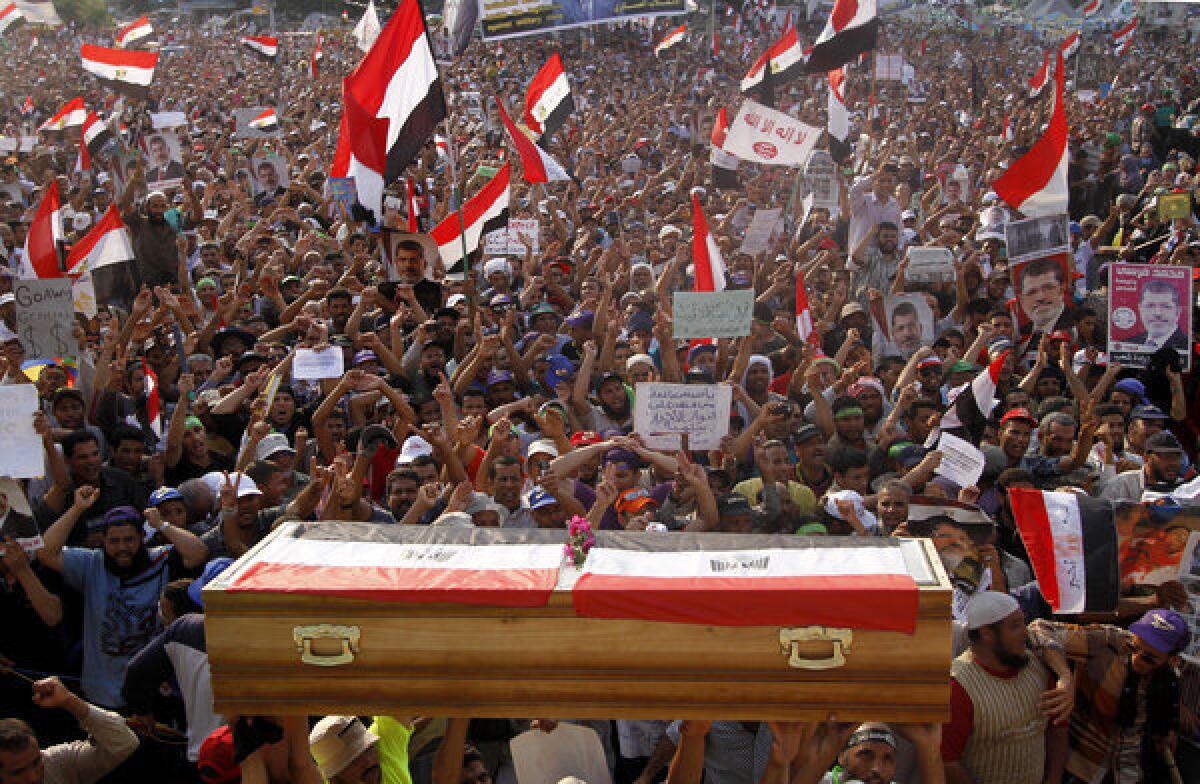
point(409, 260)
point(1160, 473)
point(1041, 292)
point(121, 584)
point(999, 701)
point(85, 464)
point(876, 260)
point(154, 239)
point(1159, 309)
point(402, 487)
point(906, 329)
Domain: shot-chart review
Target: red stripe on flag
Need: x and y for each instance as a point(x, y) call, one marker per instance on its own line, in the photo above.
point(482, 587)
point(886, 602)
point(119, 57)
point(1029, 511)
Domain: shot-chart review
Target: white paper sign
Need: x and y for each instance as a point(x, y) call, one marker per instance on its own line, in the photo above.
point(820, 180)
point(549, 757)
point(713, 314)
point(761, 228)
point(507, 242)
point(929, 265)
point(313, 365)
point(962, 463)
point(762, 135)
point(889, 67)
point(21, 455)
point(166, 120)
point(663, 412)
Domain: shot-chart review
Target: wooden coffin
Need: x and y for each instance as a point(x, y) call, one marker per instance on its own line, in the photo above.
point(339, 630)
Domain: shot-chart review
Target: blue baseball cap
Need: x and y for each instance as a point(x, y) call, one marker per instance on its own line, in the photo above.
point(560, 370)
point(499, 377)
point(165, 494)
point(211, 570)
point(540, 499)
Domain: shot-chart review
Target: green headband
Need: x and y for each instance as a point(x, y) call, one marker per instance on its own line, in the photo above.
point(191, 422)
point(849, 412)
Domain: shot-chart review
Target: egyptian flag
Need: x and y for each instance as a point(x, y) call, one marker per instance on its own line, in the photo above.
point(709, 272)
point(716, 44)
point(724, 164)
point(1071, 539)
point(536, 163)
point(267, 122)
point(414, 212)
point(805, 327)
point(972, 404)
point(485, 212)
point(96, 134)
point(127, 72)
point(132, 32)
point(265, 46)
point(442, 146)
point(838, 123)
point(72, 114)
point(83, 161)
point(548, 101)
point(107, 243)
point(1037, 82)
point(314, 69)
point(1123, 38)
point(1036, 183)
point(398, 82)
point(1007, 133)
point(422, 564)
point(1070, 45)
point(850, 31)
point(9, 15)
point(361, 153)
point(1090, 9)
point(784, 60)
point(724, 580)
point(672, 38)
point(28, 107)
point(44, 243)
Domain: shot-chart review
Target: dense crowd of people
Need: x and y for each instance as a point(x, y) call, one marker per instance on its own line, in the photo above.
point(502, 394)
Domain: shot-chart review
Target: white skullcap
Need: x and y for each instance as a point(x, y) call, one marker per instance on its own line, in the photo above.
point(988, 607)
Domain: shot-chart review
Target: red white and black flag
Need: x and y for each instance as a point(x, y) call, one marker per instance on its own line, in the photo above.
point(724, 164)
point(971, 405)
point(133, 32)
point(265, 46)
point(314, 62)
point(126, 72)
point(266, 122)
point(96, 134)
point(709, 267)
point(548, 100)
point(9, 15)
point(485, 212)
point(107, 243)
point(1037, 82)
point(838, 123)
point(784, 60)
point(1090, 8)
point(1036, 183)
point(805, 326)
point(1072, 543)
point(361, 153)
point(1123, 37)
point(1070, 45)
point(670, 39)
point(850, 31)
point(398, 82)
point(536, 163)
point(72, 114)
point(44, 243)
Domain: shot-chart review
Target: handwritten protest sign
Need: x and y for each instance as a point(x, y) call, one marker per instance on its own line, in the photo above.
point(929, 265)
point(507, 242)
point(662, 413)
point(45, 309)
point(713, 314)
point(313, 365)
point(758, 233)
point(962, 462)
point(21, 455)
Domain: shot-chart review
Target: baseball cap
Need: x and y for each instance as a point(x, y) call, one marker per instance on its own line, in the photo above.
point(988, 607)
point(164, 494)
point(540, 499)
point(633, 500)
point(414, 447)
point(542, 309)
point(1147, 412)
point(499, 377)
point(336, 741)
point(559, 370)
point(543, 446)
point(1019, 414)
point(211, 570)
point(272, 444)
point(217, 761)
point(585, 438)
point(581, 318)
point(618, 455)
point(366, 355)
point(1163, 630)
point(1131, 387)
point(1164, 441)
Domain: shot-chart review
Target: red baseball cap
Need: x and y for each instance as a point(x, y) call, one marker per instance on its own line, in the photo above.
point(585, 438)
point(217, 763)
point(1019, 414)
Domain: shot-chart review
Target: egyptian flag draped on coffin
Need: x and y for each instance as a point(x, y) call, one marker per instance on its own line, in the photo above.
point(1072, 543)
point(733, 580)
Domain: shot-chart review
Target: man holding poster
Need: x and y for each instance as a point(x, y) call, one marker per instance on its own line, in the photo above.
point(1148, 312)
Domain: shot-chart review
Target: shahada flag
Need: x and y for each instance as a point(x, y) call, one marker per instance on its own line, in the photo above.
point(971, 405)
point(9, 15)
point(483, 213)
point(438, 565)
point(72, 114)
point(133, 32)
point(709, 272)
point(96, 134)
point(838, 124)
point(265, 46)
point(1036, 183)
point(670, 39)
point(398, 82)
point(44, 242)
point(724, 164)
point(548, 100)
point(267, 122)
point(127, 72)
point(1072, 543)
point(1070, 45)
point(850, 31)
point(734, 580)
point(1090, 8)
point(784, 60)
point(759, 134)
point(1037, 82)
point(536, 163)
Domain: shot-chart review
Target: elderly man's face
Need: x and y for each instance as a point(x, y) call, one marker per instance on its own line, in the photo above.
point(952, 544)
point(156, 206)
point(906, 332)
point(1042, 298)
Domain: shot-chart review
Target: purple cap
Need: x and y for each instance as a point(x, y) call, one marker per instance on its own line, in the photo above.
point(620, 455)
point(1131, 387)
point(581, 318)
point(1163, 630)
point(366, 355)
point(499, 377)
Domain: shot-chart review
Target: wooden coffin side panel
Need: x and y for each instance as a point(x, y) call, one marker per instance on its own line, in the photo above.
point(439, 660)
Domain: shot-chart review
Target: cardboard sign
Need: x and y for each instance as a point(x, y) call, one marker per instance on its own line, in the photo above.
point(313, 365)
point(507, 242)
point(45, 312)
point(662, 413)
point(164, 160)
point(1037, 237)
point(929, 265)
point(909, 325)
point(1174, 205)
point(889, 67)
point(761, 229)
point(713, 314)
point(1149, 307)
point(21, 455)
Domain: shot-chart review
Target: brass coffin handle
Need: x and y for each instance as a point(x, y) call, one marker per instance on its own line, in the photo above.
point(347, 636)
point(790, 639)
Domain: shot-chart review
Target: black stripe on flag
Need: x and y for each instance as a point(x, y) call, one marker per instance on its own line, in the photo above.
point(558, 116)
point(420, 124)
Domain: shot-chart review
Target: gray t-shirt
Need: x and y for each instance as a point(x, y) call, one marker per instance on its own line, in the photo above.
point(733, 754)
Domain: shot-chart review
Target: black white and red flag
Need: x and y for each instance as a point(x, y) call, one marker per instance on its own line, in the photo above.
point(485, 212)
point(548, 100)
point(126, 72)
point(9, 15)
point(314, 61)
point(1090, 8)
point(724, 164)
point(71, 115)
point(133, 32)
point(536, 163)
point(265, 46)
point(850, 31)
point(96, 134)
point(44, 249)
point(783, 61)
point(838, 122)
point(1038, 81)
point(972, 404)
point(710, 273)
point(1036, 183)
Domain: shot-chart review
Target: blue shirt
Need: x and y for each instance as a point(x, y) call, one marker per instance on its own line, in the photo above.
point(120, 617)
